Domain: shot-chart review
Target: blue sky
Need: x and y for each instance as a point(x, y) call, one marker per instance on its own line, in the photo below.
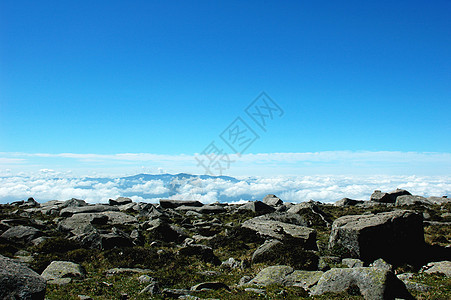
point(167, 77)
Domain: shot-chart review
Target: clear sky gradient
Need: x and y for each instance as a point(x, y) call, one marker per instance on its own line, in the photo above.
point(167, 77)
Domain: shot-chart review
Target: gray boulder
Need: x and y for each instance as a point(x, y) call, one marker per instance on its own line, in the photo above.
point(74, 203)
point(378, 196)
point(371, 283)
point(159, 229)
point(347, 202)
point(389, 235)
point(120, 201)
point(272, 200)
point(21, 233)
point(286, 276)
point(411, 200)
point(438, 267)
point(265, 250)
point(272, 275)
point(64, 270)
point(311, 213)
point(257, 207)
point(19, 282)
point(269, 229)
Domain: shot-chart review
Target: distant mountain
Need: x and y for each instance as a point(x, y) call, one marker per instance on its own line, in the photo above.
point(180, 176)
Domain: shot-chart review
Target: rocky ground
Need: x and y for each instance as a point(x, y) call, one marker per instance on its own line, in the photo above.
point(396, 245)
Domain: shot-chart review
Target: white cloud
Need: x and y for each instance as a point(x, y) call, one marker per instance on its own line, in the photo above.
point(324, 188)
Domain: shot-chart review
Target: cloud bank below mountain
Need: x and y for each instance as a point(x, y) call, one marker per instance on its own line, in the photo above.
point(50, 185)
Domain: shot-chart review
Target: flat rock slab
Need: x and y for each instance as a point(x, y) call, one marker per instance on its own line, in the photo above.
point(69, 211)
point(19, 282)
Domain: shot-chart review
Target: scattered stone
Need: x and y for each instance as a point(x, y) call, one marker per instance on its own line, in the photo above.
point(19, 282)
point(438, 267)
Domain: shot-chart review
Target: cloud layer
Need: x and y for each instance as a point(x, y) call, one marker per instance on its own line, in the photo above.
point(48, 185)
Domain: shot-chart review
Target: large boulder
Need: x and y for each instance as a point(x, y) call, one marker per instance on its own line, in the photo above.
point(272, 200)
point(161, 230)
point(371, 283)
point(120, 201)
point(257, 207)
point(389, 235)
point(62, 272)
point(311, 213)
point(381, 197)
point(21, 233)
point(19, 282)
point(269, 229)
